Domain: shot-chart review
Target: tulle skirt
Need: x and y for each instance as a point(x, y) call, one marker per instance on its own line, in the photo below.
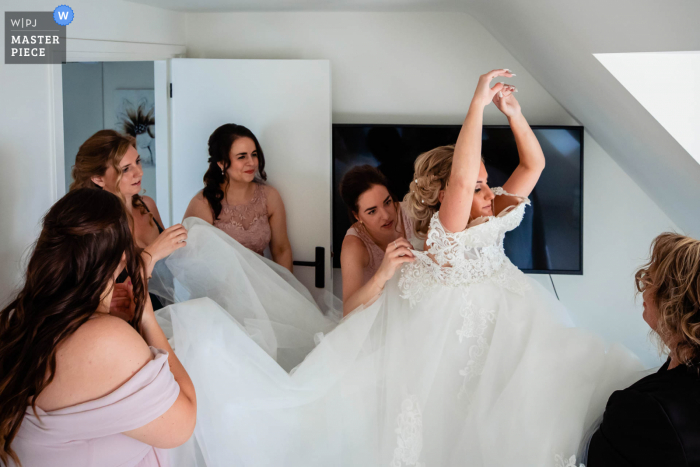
point(472, 376)
point(274, 309)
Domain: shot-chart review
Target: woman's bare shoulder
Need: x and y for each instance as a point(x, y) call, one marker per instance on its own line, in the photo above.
point(199, 207)
point(149, 202)
point(272, 194)
point(98, 358)
point(199, 198)
point(353, 249)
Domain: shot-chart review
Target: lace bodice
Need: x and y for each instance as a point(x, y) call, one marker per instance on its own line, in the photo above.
point(247, 223)
point(467, 257)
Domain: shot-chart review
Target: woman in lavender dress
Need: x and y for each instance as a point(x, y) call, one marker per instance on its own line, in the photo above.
point(78, 385)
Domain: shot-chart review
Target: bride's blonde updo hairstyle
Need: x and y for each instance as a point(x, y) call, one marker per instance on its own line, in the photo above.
point(431, 172)
point(672, 275)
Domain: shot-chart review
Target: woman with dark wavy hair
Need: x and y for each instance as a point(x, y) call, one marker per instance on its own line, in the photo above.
point(656, 421)
point(236, 198)
point(79, 386)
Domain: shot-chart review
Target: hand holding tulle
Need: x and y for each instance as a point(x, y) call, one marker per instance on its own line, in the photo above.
point(397, 253)
point(170, 240)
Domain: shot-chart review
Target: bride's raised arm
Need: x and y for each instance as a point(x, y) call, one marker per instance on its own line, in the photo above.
point(456, 203)
point(526, 175)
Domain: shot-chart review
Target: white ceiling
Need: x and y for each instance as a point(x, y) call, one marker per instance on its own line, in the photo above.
point(199, 6)
point(555, 41)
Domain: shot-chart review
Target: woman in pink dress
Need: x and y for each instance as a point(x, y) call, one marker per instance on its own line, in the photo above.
point(236, 198)
point(80, 387)
point(230, 224)
point(378, 242)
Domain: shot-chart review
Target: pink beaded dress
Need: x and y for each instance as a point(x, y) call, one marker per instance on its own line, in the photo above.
point(247, 223)
point(376, 254)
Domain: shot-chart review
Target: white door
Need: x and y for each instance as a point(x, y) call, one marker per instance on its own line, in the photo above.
point(287, 105)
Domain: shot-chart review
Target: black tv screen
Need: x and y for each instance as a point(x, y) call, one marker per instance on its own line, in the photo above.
point(550, 238)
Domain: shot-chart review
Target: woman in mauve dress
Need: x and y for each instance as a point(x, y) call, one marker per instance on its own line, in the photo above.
point(79, 386)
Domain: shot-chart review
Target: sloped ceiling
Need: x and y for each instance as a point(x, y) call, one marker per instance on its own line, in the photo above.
point(555, 41)
point(646, 76)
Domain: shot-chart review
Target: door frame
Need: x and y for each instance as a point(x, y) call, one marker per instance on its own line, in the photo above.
point(87, 50)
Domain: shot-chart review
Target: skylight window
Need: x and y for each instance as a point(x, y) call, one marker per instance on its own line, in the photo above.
point(665, 83)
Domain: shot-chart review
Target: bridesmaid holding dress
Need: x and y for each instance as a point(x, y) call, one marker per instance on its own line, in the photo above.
point(236, 198)
point(230, 224)
point(379, 240)
point(80, 386)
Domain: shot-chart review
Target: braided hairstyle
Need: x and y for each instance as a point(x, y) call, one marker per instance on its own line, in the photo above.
point(220, 143)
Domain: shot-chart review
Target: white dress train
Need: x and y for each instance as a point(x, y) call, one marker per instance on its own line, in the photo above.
point(461, 361)
point(274, 308)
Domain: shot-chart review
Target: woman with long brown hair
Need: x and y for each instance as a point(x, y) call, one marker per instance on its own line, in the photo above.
point(378, 241)
point(79, 386)
point(109, 160)
point(236, 197)
point(656, 421)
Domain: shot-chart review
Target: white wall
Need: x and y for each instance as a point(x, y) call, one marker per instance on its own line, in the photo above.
point(422, 68)
point(26, 192)
point(386, 67)
point(619, 223)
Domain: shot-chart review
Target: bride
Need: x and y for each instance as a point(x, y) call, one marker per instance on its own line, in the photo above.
point(459, 360)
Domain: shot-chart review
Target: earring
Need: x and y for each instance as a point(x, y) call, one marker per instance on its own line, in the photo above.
point(222, 171)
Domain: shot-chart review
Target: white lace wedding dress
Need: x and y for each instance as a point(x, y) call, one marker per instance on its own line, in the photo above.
point(461, 361)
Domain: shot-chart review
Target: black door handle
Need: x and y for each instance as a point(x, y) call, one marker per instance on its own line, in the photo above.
point(319, 264)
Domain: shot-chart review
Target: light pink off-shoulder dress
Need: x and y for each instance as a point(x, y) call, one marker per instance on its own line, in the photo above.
point(90, 433)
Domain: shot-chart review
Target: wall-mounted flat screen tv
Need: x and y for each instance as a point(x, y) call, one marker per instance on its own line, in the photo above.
point(550, 238)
